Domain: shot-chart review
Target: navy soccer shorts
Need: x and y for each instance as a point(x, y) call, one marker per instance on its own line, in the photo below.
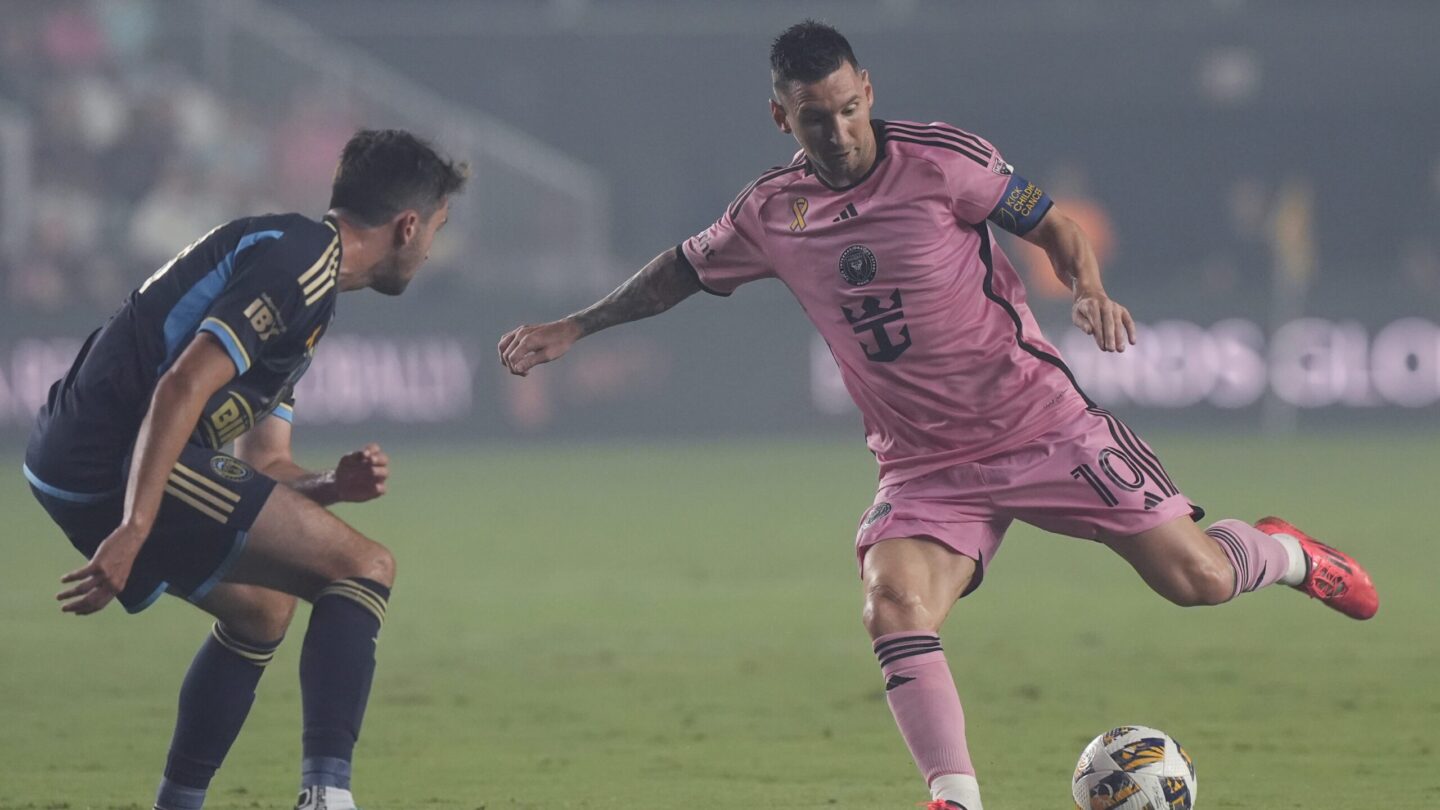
point(211, 501)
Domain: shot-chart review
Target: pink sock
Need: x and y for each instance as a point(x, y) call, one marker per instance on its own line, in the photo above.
point(923, 699)
point(1258, 558)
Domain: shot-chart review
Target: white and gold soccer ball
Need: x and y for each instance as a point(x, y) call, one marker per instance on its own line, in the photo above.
point(1134, 768)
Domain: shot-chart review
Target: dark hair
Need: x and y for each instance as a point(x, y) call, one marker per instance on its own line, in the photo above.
point(383, 172)
point(808, 52)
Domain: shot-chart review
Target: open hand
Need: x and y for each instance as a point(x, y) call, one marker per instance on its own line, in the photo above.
point(528, 346)
point(361, 475)
point(1103, 319)
point(104, 577)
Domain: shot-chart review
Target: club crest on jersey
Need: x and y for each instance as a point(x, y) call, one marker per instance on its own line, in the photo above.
point(880, 510)
point(857, 265)
point(231, 469)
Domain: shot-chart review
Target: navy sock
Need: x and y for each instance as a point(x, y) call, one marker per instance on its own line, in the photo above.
point(214, 701)
point(337, 665)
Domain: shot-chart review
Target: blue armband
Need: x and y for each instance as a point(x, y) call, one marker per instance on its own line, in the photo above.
point(1022, 206)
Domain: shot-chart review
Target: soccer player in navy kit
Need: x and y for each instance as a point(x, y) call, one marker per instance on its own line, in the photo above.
point(126, 457)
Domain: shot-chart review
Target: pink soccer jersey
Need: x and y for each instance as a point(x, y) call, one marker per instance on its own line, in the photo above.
point(922, 311)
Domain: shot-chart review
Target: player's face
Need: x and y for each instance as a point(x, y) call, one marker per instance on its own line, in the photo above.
point(413, 237)
point(831, 121)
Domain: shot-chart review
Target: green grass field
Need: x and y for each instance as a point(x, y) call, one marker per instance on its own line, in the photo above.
point(678, 627)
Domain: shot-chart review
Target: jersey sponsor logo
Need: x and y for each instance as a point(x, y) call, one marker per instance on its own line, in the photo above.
point(232, 418)
point(702, 244)
point(874, 317)
point(880, 510)
point(799, 206)
point(231, 468)
point(264, 318)
point(858, 266)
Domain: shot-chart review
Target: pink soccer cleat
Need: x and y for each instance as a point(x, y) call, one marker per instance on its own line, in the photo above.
point(1331, 576)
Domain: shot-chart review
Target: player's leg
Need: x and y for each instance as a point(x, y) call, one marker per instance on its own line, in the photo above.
point(910, 584)
point(1096, 478)
point(298, 547)
point(219, 688)
point(1193, 567)
point(1190, 566)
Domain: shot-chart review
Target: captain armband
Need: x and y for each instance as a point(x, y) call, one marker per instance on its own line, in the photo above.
point(1022, 206)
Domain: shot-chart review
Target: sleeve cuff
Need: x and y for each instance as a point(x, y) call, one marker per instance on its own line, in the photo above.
point(284, 411)
point(684, 262)
point(230, 341)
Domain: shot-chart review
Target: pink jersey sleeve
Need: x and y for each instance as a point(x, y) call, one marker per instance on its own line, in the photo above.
point(976, 186)
point(729, 253)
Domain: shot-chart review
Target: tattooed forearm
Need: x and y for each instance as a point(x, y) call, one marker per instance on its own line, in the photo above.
point(659, 285)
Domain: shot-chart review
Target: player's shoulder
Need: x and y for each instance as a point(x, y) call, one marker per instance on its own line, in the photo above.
point(768, 183)
point(301, 257)
point(299, 244)
point(296, 230)
point(939, 143)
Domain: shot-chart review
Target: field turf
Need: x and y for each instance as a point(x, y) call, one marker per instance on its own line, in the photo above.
point(677, 626)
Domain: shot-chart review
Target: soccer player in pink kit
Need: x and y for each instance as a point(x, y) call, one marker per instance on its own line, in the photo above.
point(881, 229)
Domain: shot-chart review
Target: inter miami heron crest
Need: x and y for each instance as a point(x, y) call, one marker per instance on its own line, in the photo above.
point(857, 265)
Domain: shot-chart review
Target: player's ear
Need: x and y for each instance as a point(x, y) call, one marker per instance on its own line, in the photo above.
point(869, 88)
point(407, 227)
point(778, 113)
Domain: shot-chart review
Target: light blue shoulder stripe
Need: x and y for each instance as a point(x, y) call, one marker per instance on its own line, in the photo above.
point(191, 308)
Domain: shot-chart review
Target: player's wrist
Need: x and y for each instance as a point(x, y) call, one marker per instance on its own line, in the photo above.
point(575, 325)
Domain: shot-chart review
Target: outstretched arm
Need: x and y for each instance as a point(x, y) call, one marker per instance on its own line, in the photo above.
point(1075, 265)
point(664, 282)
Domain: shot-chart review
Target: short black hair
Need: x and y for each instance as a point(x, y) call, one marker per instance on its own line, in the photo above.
point(808, 52)
point(383, 172)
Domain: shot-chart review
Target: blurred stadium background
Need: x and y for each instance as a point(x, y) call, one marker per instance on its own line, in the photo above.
point(1261, 180)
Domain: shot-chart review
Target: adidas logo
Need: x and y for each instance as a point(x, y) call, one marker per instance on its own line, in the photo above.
point(1151, 500)
point(848, 213)
point(896, 680)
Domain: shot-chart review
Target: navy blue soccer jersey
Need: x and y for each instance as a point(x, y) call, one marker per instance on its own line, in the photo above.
point(265, 288)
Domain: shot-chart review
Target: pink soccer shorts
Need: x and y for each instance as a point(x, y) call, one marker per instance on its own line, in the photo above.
point(1089, 478)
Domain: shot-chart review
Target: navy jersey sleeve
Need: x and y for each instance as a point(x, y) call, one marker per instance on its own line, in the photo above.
point(279, 289)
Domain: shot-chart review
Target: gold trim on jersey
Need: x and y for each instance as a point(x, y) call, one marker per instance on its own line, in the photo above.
point(320, 262)
point(231, 332)
point(322, 283)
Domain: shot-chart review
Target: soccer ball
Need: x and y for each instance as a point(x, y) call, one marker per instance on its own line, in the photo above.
point(1134, 768)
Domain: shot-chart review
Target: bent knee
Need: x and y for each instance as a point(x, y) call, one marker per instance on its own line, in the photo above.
point(890, 608)
point(262, 620)
point(375, 562)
